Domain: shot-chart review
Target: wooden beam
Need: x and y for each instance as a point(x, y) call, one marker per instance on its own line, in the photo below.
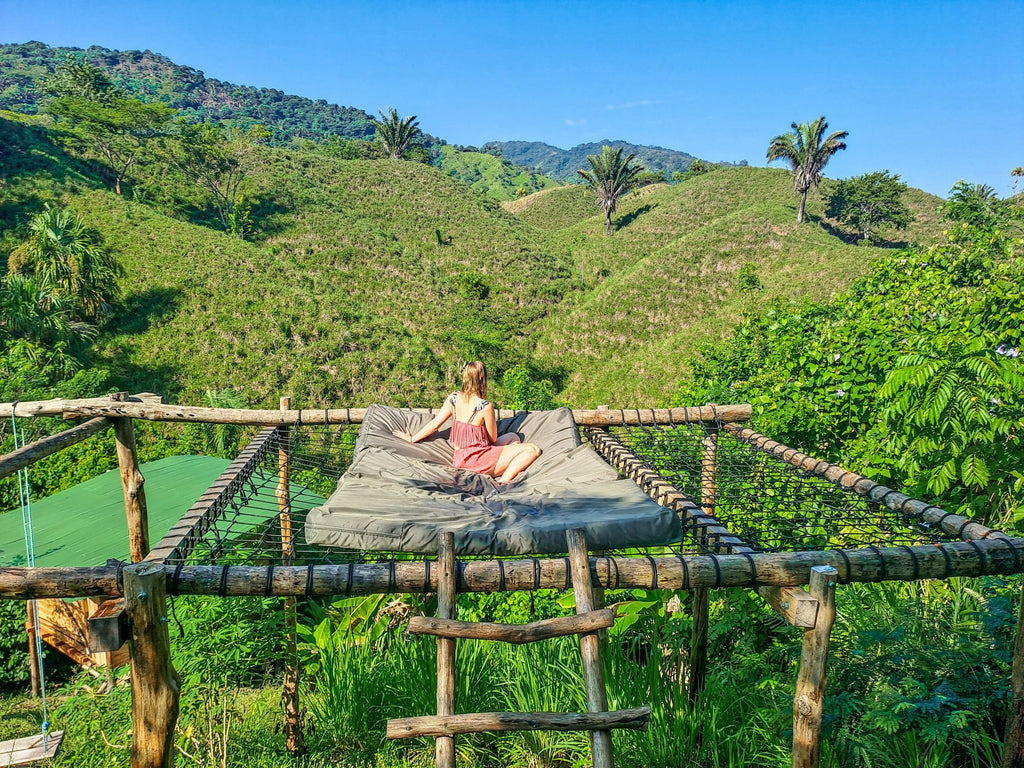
point(481, 722)
point(513, 633)
point(255, 417)
point(809, 701)
point(446, 609)
point(590, 647)
point(155, 684)
point(29, 454)
point(789, 569)
point(1013, 741)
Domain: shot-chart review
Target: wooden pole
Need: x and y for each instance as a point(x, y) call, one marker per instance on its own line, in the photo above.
point(133, 484)
point(155, 684)
point(446, 609)
point(590, 646)
point(138, 407)
point(33, 658)
point(497, 722)
point(809, 700)
point(1013, 742)
point(33, 452)
point(701, 595)
point(294, 738)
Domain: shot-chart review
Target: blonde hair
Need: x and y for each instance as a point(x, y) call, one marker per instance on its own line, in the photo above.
point(474, 379)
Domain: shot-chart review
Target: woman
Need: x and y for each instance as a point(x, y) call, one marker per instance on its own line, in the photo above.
point(475, 431)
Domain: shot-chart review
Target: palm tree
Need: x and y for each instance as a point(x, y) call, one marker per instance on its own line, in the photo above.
point(68, 258)
point(31, 311)
point(611, 177)
point(396, 134)
point(806, 154)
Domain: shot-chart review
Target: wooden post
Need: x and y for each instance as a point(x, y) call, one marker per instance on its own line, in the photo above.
point(294, 738)
point(155, 684)
point(701, 595)
point(133, 484)
point(33, 658)
point(446, 609)
point(810, 681)
point(590, 646)
point(1013, 742)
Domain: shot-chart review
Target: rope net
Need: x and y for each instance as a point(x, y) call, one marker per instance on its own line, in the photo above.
point(247, 518)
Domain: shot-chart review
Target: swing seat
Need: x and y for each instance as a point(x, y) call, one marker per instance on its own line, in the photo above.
point(29, 750)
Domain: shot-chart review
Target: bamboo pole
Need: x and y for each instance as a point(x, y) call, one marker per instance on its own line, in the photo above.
point(781, 569)
point(133, 484)
point(254, 417)
point(446, 609)
point(1013, 742)
point(29, 454)
point(484, 722)
point(956, 525)
point(590, 647)
point(294, 739)
point(809, 700)
point(155, 684)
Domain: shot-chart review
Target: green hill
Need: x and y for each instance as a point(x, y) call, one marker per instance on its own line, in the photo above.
point(492, 175)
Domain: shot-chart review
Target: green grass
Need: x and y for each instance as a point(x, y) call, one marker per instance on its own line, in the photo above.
point(491, 175)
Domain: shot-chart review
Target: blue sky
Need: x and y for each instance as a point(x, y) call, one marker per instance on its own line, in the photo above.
point(933, 91)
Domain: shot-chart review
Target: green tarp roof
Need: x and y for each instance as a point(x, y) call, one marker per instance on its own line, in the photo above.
point(85, 525)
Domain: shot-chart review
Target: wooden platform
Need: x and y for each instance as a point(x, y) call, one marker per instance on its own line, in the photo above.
point(29, 750)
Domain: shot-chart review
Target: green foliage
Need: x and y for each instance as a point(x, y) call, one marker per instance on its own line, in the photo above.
point(14, 661)
point(395, 133)
point(807, 153)
point(218, 439)
point(870, 202)
point(977, 205)
point(747, 280)
point(611, 177)
point(697, 168)
point(494, 176)
point(78, 78)
point(562, 164)
point(524, 392)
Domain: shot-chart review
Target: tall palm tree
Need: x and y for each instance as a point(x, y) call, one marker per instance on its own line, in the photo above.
point(395, 133)
point(611, 177)
point(807, 154)
point(29, 310)
point(68, 258)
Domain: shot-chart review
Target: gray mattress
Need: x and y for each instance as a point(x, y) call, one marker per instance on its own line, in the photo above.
point(397, 496)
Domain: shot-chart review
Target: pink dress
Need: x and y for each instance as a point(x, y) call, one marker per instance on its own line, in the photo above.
point(473, 448)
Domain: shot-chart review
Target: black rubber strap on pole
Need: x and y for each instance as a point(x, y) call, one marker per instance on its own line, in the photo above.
point(981, 553)
point(654, 572)
point(309, 581)
point(175, 579)
point(268, 590)
point(501, 576)
point(846, 560)
point(568, 573)
point(949, 560)
point(426, 575)
point(686, 571)
point(348, 580)
point(753, 566)
point(718, 570)
point(913, 560)
point(882, 573)
point(224, 581)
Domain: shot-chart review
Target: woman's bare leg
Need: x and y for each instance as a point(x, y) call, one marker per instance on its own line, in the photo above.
point(513, 460)
point(510, 438)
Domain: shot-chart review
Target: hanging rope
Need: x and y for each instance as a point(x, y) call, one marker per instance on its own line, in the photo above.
point(25, 496)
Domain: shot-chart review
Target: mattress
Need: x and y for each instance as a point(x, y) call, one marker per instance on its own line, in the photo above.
point(398, 496)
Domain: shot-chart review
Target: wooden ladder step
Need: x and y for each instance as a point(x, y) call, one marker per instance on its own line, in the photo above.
point(480, 722)
point(546, 629)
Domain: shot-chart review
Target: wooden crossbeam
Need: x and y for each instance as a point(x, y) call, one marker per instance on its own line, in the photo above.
point(513, 633)
point(481, 722)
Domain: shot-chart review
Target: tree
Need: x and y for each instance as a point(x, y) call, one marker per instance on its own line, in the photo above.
point(218, 162)
point(974, 204)
point(807, 155)
point(870, 201)
point(68, 258)
point(396, 134)
point(80, 79)
point(611, 177)
point(116, 128)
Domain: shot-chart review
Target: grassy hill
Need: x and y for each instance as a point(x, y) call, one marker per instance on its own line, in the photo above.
point(373, 280)
point(491, 175)
point(667, 280)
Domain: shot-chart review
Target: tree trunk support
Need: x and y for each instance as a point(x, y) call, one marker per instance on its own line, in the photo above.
point(446, 609)
point(1013, 742)
point(155, 684)
point(810, 682)
point(33, 656)
point(590, 646)
point(701, 596)
point(133, 484)
point(294, 737)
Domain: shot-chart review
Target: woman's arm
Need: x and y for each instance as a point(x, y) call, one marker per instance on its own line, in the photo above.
point(490, 423)
point(429, 429)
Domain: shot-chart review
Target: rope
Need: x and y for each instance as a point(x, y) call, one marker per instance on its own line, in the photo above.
point(25, 496)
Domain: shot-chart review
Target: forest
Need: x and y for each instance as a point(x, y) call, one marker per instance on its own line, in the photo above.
point(155, 240)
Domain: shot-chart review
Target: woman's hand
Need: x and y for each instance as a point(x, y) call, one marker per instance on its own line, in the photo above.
point(405, 435)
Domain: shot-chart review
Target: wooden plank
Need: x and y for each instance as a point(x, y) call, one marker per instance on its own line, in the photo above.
point(155, 684)
point(481, 722)
point(135, 408)
point(29, 454)
point(30, 749)
point(513, 633)
point(446, 609)
point(809, 700)
point(590, 647)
